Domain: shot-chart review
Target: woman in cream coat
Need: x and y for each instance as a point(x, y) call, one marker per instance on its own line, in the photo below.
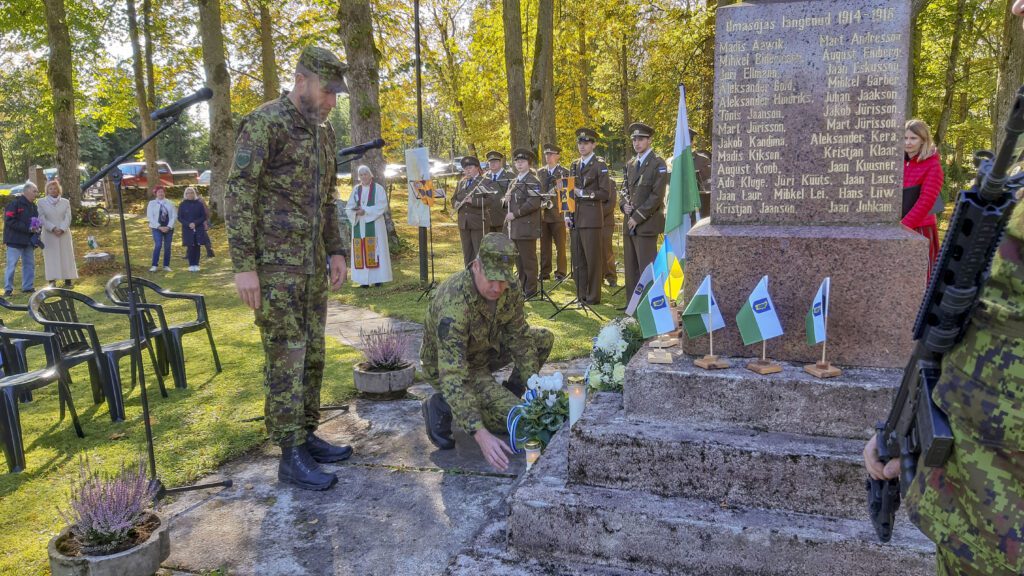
point(58, 249)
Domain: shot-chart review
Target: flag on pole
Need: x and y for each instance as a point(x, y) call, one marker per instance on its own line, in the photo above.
point(816, 319)
point(641, 287)
point(674, 283)
point(757, 319)
point(663, 260)
point(702, 314)
point(654, 313)
point(683, 195)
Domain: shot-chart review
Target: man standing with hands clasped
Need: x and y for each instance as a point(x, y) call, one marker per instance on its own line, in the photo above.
point(643, 206)
point(282, 228)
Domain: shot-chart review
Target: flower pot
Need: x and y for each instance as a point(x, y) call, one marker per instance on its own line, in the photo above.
point(141, 560)
point(383, 382)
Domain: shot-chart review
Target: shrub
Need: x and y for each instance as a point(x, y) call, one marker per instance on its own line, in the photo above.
point(384, 349)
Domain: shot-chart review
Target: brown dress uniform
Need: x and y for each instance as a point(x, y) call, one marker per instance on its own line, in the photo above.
point(607, 236)
point(471, 216)
point(524, 204)
point(552, 225)
point(496, 207)
point(645, 185)
point(592, 187)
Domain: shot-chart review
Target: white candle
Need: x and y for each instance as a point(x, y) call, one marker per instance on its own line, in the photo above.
point(532, 453)
point(577, 399)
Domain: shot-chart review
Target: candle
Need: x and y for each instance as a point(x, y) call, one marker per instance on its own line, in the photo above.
point(577, 398)
point(532, 452)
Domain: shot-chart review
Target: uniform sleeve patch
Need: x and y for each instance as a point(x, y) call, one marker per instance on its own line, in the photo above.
point(243, 157)
point(444, 327)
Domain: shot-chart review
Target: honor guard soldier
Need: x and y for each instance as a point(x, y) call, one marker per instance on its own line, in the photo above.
point(523, 219)
point(500, 177)
point(607, 236)
point(592, 190)
point(552, 228)
point(469, 202)
point(475, 326)
point(643, 205)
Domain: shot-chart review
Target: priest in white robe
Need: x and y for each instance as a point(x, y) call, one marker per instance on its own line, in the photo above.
point(371, 261)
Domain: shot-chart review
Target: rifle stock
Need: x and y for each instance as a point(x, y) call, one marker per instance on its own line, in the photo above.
point(915, 425)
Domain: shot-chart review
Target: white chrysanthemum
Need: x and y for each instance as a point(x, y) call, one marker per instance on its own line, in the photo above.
point(608, 337)
point(619, 372)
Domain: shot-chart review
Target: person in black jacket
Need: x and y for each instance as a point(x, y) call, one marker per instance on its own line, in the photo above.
point(192, 216)
point(21, 234)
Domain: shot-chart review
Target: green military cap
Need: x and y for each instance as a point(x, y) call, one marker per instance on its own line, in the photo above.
point(640, 130)
point(469, 161)
point(524, 154)
point(552, 149)
point(495, 155)
point(326, 66)
point(496, 255)
point(586, 134)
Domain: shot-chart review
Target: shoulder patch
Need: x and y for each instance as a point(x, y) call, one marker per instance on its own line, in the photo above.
point(243, 157)
point(443, 327)
point(661, 169)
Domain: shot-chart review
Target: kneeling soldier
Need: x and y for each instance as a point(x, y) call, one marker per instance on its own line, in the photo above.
point(476, 325)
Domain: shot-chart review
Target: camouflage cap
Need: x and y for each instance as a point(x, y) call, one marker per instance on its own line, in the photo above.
point(326, 66)
point(497, 254)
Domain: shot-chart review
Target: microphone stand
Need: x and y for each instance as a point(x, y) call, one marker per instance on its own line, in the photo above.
point(135, 320)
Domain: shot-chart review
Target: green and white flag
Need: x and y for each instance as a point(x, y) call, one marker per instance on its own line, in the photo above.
point(816, 320)
point(702, 314)
point(683, 195)
point(653, 313)
point(641, 286)
point(757, 319)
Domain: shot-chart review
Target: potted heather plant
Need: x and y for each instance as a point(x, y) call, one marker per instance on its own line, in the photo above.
point(111, 528)
point(385, 371)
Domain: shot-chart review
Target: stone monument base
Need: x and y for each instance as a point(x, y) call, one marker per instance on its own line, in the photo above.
point(878, 279)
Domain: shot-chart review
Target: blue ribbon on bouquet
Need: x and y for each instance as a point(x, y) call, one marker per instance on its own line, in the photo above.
point(512, 420)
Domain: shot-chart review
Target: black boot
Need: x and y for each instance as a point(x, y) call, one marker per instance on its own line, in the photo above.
point(297, 467)
point(324, 452)
point(437, 415)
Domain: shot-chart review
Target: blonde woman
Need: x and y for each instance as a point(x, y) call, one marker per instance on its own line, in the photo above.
point(922, 184)
point(58, 249)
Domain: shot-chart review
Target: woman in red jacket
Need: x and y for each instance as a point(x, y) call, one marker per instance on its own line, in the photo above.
point(922, 176)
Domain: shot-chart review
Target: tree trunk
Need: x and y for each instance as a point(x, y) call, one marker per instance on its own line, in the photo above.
point(954, 57)
point(1011, 73)
point(542, 79)
point(446, 27)
point(59, 71)
point(624, 83)
point(584, 74)
point(3, 165)
point(271, 85)
point(147, 36)
point(222, 130)
point(141, 98)
point(519, 124)
point(363, 79)
point(916, 7)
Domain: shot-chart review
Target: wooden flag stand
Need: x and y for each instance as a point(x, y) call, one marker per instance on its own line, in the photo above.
point(763, 365)
point(823, 368)
point(710, 361)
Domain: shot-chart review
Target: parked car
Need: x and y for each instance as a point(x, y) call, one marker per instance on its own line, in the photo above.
point(204, 178)
point(134, 174)
point(394, 172)
point(16, 189)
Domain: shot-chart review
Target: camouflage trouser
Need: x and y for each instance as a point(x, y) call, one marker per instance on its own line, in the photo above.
point(491, 400)
point(972, 507)
point(291, 321)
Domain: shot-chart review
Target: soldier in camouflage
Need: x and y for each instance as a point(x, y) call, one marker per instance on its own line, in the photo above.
point(973, 507)
point(283, 227)
point(475, 325)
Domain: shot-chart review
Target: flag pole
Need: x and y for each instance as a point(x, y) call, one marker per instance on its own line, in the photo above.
point(823, 344)
point(764, 350)
point(711, 337)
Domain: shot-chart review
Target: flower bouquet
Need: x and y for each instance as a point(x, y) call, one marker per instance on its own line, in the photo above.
point(544, 409)
point(615, 344)
point(36, 225)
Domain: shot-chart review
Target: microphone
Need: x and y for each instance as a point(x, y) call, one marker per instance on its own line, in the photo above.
point(176, 108)
point(362, 148)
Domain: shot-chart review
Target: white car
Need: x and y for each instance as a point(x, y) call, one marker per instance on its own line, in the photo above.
point(204, 178)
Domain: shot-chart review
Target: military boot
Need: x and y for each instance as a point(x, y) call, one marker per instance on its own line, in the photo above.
point(298, 467)
point(437, 415)
point(323, 451)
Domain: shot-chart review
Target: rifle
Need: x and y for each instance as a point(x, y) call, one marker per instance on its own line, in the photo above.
point(915, 425)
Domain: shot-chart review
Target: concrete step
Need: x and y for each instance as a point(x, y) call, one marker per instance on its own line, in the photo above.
point(640, 531)
point(724, 464)
point(846, 406)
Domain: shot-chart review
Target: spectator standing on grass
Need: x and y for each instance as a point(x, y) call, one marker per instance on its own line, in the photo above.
point(206, 225)
point(58, 249)
point(21, 225)
point(162, 214)
point(193, 219)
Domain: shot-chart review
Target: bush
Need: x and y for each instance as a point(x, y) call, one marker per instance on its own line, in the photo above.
point(384, 349)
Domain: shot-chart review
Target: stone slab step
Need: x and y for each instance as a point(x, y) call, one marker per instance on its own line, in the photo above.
point(640, 531)
point(789, 401)
point(726, 465)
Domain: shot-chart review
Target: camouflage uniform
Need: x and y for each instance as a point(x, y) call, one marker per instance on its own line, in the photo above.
point(282, 222)
point(973, 508)
point(466, 338)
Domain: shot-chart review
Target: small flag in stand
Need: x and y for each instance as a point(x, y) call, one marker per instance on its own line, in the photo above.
point(663, 260)
point(757, 319)
point(653, 313)
point(674, 284)
point(816, 319)
point(641, 287)
point(702, 314)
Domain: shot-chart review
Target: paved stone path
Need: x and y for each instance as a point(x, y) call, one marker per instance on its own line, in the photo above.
point(401, 507)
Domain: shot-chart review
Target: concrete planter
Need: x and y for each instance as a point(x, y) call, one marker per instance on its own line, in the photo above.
point(383, 382)
point(142, 560)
